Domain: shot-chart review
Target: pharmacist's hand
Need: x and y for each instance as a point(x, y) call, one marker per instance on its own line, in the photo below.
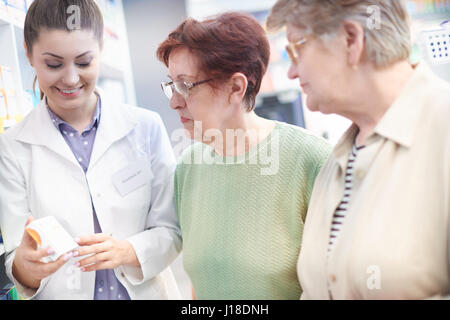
point(107, 253)
point(27, 268)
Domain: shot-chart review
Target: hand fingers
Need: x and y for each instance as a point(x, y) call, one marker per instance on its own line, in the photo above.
point(42, 270)
point(27, 239)
point(29, 220)
point(52, 267)
point(37, 255)
point(93, 239)
point(99, 266)
point(95, 248)
point(96, 258)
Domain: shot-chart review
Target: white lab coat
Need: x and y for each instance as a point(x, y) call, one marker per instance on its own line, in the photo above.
point(40, 176)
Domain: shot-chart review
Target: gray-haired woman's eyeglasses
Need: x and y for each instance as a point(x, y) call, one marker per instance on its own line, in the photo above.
point(292, 48)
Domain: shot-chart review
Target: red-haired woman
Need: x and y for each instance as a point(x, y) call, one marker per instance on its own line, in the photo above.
point(242, 191)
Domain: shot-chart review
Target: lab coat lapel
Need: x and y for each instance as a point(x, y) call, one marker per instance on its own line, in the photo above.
point(114, 124)
point(39, 130)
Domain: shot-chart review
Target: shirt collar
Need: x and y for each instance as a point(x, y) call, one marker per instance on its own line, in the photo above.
point(57, 121)
point(345, 144)
point(402, 118)
point(400, 121)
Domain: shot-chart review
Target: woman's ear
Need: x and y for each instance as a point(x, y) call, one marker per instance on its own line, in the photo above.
point(355, 39)
point(27, 53)
point(238, 83)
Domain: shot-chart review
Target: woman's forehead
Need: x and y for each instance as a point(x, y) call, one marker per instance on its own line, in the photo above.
point(61, 40)
point(294, 33)
point(183, 64)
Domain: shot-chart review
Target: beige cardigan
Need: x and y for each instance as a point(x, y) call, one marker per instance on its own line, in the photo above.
point(394, 243)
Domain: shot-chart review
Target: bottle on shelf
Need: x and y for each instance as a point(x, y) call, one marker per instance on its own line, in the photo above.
point(9, 111)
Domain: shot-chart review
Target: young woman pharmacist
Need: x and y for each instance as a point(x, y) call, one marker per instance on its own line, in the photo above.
point(103, 169)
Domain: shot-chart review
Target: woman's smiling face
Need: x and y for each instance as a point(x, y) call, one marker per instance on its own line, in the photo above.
point(67, 66)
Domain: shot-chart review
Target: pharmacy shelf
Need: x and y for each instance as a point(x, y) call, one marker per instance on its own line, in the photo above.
point(9, 57)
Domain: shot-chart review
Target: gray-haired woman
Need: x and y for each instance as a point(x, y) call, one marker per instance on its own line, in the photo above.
point(378, 221)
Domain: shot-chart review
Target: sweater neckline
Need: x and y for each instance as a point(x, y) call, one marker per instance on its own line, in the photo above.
point(250, 154)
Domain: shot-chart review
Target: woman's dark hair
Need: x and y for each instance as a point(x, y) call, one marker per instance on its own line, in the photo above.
point(232, 42)
point(68, 15)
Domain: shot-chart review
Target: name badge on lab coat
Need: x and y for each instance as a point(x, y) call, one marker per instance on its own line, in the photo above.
point(132, 177)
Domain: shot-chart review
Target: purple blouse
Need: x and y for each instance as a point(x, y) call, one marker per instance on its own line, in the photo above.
point(107, 287)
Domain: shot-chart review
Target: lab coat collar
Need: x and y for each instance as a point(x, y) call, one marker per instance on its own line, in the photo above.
point(115, 124)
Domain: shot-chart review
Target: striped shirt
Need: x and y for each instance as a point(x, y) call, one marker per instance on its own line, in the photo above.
point(339, 214)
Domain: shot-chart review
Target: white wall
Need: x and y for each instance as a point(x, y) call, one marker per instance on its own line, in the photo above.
point(200, 9)
point(148, 24)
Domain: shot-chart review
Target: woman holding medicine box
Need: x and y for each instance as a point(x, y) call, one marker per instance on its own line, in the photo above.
point(104, 170)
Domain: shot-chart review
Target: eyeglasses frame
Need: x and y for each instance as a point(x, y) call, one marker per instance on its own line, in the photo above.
point(292, 48)
point(189, 85)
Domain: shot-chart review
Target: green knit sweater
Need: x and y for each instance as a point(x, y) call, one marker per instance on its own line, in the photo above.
point(242, 217)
